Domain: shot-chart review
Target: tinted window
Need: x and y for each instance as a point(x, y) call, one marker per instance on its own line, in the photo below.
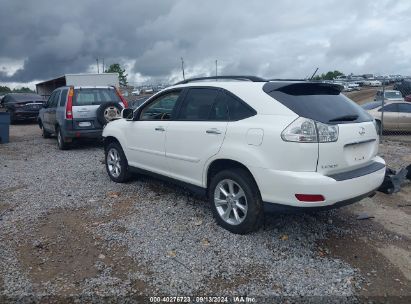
point(63, 97)
point(371, 105)
point(160, 108)
point(51, 98)
point(389, 108)
point(88, 97)
point(198, 104)
point(238, 109)
point(317, 101)
point(405, 108)
point(55, 99)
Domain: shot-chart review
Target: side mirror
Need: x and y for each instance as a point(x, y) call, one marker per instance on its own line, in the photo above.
point(127, 114)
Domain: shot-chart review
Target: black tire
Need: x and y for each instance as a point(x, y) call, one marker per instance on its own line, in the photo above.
point(254, 216)
point(61, 143)
point(102, 108)
point(44, 133)
point(124, 174)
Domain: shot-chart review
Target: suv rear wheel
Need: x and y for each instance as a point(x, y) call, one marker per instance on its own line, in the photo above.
point(116, 163)
point(60, 140)
point(235, 201)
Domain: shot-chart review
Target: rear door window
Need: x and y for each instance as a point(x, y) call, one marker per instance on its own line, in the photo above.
point(63, 97)
point(51, 98)
point(94, 96)
point(198, 104)
point(55, 99)
point(318, 101)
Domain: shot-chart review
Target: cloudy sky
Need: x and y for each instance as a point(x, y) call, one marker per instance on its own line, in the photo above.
point(46, 38)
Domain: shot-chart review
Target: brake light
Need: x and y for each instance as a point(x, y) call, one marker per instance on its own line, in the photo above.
point(307, 130)
point(310, 197)
point(123, 100)
point(69, 104)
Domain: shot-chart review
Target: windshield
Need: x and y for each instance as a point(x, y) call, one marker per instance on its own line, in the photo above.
point(393, 95)
point(371, 105)
point(94, 96)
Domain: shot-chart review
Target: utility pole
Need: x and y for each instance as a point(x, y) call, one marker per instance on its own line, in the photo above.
point(382, 108)
point(103, 65)
point(182, 67)
point(216, 69)
point(98, 69)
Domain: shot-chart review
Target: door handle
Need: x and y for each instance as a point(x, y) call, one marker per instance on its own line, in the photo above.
point(160, 129)
point(213, 131)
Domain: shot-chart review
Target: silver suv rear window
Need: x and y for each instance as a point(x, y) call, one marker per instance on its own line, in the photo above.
point(94, 96)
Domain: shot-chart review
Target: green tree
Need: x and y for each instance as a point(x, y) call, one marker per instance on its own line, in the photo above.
point(330, 75)
point(122, 77)
point(23, 90)
point(5, 89)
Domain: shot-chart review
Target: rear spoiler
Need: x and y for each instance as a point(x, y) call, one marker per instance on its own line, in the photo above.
point(303, 88)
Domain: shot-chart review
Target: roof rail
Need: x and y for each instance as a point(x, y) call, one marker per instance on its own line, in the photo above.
point(240, 77)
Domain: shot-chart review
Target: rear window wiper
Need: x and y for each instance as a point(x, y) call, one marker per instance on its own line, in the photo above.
point(344, 118)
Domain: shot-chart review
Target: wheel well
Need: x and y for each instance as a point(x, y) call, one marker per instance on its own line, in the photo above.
point(108, 140)
point(224, 164)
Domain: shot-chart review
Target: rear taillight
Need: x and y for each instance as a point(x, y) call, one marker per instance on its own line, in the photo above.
point(69, 104)
point(306, 130)
point(123, 100)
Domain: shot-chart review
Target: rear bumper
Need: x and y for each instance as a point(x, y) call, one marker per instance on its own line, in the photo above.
point(89, 134)
point(278, 208)
point(280, 187)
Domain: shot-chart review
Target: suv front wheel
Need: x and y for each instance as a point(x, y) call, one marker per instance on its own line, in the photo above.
point(116, 163)
point(235, 201)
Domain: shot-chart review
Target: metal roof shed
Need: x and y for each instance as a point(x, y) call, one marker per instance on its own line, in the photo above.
point(45, 88)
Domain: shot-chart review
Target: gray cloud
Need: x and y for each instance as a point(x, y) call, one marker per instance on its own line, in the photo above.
point(266, 38)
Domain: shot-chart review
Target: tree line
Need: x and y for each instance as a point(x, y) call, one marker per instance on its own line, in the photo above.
point(6, 89)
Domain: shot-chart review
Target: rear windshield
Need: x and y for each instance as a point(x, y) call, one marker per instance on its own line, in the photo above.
point(320, 102)
point(94, 96)
point(371, 105)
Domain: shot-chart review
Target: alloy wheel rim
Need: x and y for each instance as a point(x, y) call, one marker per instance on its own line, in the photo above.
point(110, 113)
point(113, 163)
point(230, 202)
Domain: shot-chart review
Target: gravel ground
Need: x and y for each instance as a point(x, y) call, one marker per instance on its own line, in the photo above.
point(67, 230)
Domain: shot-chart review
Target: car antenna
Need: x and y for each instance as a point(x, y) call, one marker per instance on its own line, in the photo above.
point(315, 72)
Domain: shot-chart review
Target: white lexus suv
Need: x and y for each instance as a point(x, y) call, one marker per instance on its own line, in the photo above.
point(251, 145)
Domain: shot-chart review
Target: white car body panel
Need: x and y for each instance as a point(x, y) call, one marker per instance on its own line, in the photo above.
point(184, 151)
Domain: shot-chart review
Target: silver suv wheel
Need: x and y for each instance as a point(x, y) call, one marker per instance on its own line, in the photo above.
point(113, 163)
point(230, 202)
point(111, 113)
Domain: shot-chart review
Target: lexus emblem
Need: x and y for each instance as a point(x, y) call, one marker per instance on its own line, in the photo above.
point(362, 131)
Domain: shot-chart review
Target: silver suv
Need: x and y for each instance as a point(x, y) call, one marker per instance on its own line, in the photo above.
point(79, 112)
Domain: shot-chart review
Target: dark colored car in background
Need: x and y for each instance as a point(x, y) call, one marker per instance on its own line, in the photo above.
point(22, 106)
